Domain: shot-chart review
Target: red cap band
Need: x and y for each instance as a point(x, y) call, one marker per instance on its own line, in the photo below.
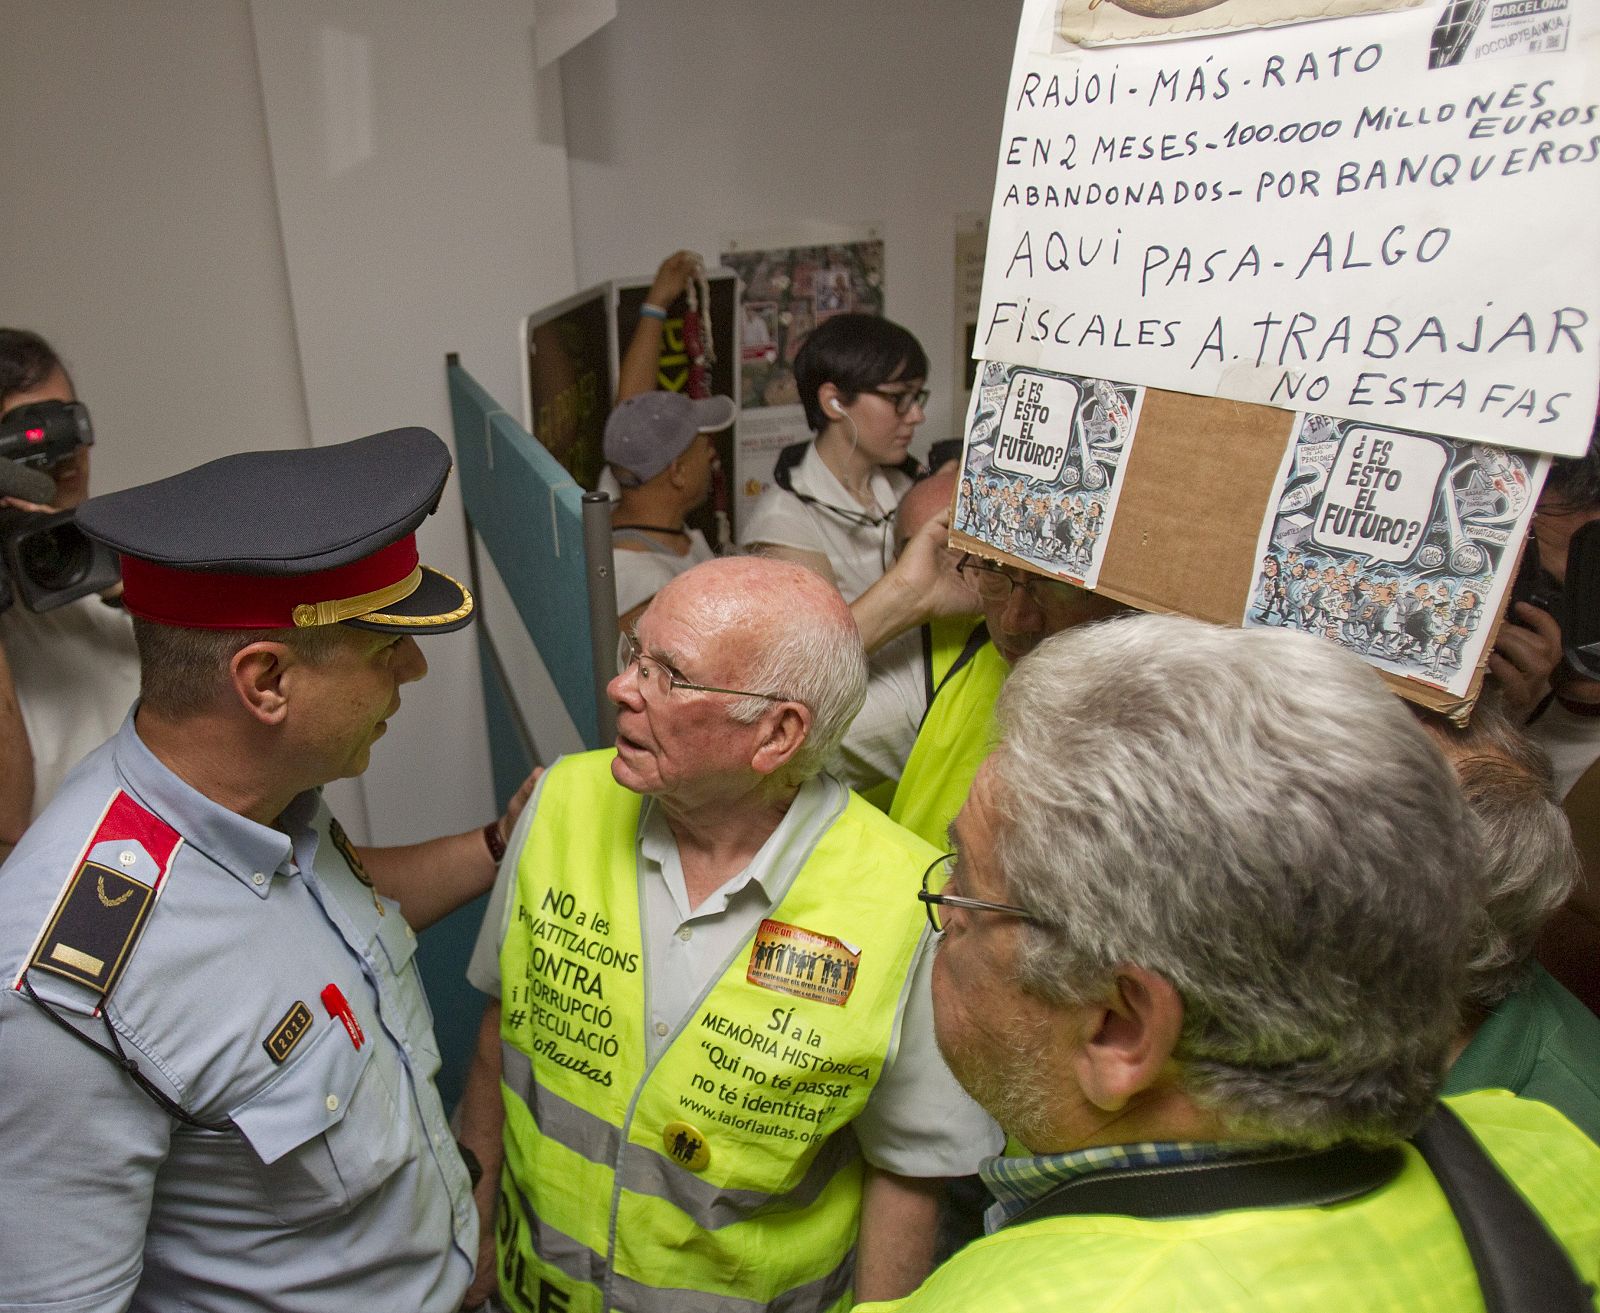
point(195, 599)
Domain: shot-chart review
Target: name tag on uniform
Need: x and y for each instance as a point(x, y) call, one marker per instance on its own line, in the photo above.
point(792, 960)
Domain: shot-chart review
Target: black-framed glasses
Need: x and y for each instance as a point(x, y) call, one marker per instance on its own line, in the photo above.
point(996, 584)
point(656, 677)
point(933, 897)
point(903, 401)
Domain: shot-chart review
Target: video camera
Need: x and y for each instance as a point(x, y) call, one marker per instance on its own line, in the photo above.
point(45, 559)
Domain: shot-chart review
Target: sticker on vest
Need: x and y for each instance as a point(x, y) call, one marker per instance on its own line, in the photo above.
point(288, 1032)
point(686, 1146)
point(791, 960)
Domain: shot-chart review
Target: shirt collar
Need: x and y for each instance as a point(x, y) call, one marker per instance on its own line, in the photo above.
point(242, 847)
point(1017, 1182)
point(813, 477)
point(815, 808)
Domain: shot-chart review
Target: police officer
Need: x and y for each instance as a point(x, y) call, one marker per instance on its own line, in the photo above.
point(219, 1062)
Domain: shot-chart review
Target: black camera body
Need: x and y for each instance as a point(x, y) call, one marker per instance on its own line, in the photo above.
point(46, 561)
point(44, 434)
point(1575, 604)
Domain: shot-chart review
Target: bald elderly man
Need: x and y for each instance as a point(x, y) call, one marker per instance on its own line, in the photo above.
point(714, 1037)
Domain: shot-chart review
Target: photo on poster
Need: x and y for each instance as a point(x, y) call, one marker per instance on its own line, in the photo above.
point(1470, 30)
point(788, 291)
point(1097, 22)
point(1395, 544)
point(1042, 469)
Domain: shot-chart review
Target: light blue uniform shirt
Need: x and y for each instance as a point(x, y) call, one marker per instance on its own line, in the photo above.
point(337, 1184)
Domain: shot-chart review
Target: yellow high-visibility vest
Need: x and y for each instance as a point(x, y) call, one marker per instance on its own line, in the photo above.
point(722, 1177)
point(944, 639)
point(956, 735)
point(1398, 1248)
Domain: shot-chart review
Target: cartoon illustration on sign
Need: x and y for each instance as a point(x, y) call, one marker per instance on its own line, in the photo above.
point(1397, 545)
point(1040, 472)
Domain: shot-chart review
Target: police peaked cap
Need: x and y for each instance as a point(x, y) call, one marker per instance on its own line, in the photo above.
point(287, 539)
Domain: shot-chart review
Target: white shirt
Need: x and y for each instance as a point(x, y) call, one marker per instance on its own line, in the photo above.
point(1572, 741)
point(917, 1121)
point(640, 575)
point(879, 739)
point(859, 553)
point(76, 672)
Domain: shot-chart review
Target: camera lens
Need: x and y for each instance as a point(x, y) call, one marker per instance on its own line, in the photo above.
point(55, 558)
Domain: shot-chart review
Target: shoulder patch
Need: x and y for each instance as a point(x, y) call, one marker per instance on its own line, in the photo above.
point(102, 910)
point(352, 859)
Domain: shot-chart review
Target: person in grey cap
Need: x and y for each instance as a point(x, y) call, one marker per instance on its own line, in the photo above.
point(659, 450)
point(218, 1088)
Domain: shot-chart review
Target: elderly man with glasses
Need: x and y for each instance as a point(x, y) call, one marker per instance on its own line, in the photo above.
point(1020, 609)
point(713, 1055)
point(1201, 954)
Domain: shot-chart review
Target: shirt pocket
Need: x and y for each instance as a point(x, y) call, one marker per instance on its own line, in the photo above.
point(399, 945)
point(325, 1130)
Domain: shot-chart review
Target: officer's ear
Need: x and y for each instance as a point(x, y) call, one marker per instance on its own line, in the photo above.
point(257, 674)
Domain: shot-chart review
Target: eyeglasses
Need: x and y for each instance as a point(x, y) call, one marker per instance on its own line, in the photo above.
point(995, 584)
point(903, 401)
point(656, 678)
point(934, 880)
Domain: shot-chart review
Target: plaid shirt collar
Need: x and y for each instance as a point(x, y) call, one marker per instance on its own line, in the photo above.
point(1018, 1182)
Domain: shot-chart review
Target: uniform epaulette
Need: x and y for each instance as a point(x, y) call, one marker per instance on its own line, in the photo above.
point(105, 904)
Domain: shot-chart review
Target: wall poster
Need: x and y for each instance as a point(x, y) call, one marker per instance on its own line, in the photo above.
point(788, 289)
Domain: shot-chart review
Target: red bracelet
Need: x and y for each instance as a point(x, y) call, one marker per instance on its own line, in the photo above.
point(493, 842)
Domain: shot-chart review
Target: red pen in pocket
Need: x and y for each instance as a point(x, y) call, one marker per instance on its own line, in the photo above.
point(334, 1000)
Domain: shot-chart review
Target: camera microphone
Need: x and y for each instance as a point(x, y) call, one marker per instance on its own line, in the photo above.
point(25, 483)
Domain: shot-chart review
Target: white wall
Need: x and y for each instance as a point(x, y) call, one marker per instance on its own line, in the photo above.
point(140, 233)
point(263, 226)
point(692, 120)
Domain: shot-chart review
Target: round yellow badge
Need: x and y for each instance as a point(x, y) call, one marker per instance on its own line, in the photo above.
point(686, 1146)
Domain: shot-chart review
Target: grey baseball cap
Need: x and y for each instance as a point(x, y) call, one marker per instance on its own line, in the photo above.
point(648, 432)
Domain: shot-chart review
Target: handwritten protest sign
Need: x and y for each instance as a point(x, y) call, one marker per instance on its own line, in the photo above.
point(1386, 218)
point(1040, 475)
point(1397, 545)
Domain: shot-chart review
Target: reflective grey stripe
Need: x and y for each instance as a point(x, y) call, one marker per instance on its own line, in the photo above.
point(578, 1129)
point(814, 1297)
point(572, 1258)
point(712, 1207)
point(647, 1172)
point(580, 1264)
